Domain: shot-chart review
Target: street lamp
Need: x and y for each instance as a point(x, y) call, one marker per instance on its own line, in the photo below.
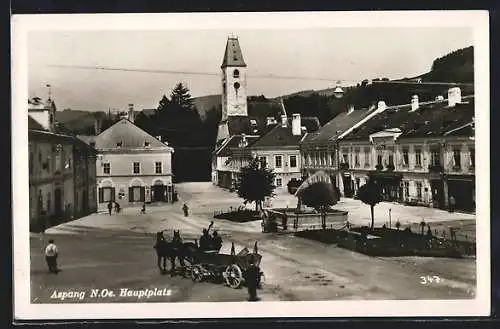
point(390, 217)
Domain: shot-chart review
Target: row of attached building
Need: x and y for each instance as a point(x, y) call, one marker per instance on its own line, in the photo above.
point(420, 153)
point(62, 174)
point(73, 176)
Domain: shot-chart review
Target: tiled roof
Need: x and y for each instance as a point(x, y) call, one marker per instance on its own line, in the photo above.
point(431, 119)
point(86, 139)
point(255, 125)
point(340, 123)
point(464, 130)
point(130, 136)
point(234, 142)
point(233, 55)
point(278, 136)
point(33, 124)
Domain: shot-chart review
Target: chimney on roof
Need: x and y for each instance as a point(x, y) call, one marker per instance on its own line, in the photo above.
point(296, 124)
point(414, 103)
point(350, 109)
point(131, 115)
point(454, 96)
point(283, 121)
point(244, 141)
point(158, 138)
point(97, 126)
point(270, 121)
point(381, 106)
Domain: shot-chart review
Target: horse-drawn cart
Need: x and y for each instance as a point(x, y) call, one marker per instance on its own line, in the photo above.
point(230, 268)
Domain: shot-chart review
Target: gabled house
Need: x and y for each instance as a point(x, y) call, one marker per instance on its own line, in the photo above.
point(319, 149)
point(132, 166)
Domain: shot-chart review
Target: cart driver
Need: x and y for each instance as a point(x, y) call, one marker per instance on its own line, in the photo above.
point(205, 241)
point(216, 241)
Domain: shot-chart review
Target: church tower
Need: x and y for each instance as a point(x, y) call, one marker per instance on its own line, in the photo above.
point(234, 85)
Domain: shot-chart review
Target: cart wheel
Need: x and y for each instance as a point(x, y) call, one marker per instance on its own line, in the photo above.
point(234, 276)
point(197, 273)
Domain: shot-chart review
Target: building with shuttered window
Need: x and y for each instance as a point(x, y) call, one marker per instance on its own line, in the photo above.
point(132, 166)
point(61, 169)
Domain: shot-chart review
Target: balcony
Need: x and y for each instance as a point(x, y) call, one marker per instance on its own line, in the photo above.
point(344, 166)
point(435, 168)
point(390, 167)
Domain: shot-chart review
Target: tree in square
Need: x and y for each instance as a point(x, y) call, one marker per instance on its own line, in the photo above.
point(255, 183)
point(371, 195)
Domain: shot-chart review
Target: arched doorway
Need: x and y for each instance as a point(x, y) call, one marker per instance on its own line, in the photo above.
point(158, 192)
point(136, 191)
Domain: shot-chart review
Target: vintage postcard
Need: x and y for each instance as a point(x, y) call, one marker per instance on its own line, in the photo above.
point(315, 164)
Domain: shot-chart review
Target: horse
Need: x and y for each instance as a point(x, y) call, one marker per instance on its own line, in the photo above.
point(173, 250)
point(162, 251)
point(182, 250)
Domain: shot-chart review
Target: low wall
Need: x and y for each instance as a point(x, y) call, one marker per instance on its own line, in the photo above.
point(335, 219)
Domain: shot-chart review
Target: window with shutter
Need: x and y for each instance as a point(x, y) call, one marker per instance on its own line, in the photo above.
point(101, 195)
point(130, 194)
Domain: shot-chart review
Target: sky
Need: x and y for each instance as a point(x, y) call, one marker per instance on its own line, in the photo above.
point(348, 55)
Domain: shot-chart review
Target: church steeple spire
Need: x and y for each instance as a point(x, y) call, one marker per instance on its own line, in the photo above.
point(233, 56)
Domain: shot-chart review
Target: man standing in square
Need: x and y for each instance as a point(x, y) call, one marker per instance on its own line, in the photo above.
point(51, 253)
point(253, 279)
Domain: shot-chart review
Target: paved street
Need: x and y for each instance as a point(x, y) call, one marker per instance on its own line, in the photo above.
point(113, 252)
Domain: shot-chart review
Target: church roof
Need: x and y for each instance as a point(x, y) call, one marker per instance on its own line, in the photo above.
point(232, 54)
point(130, 136)
point(34, 125)
point(235, 142)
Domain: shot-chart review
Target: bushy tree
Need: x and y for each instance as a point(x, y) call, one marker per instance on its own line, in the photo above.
point(320, 196)
point(255, 182)
point(370, 194)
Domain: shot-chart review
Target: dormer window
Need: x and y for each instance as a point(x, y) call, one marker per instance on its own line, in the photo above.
point(92, 144)
point(146, 144)
point(236, 73)
point(119, 144)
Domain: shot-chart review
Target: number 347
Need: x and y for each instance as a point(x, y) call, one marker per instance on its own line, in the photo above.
point(430, 279)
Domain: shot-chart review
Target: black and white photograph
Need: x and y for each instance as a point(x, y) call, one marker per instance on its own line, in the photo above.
point(251, 165)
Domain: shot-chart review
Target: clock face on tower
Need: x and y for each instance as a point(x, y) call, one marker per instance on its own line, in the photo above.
point(236, 85)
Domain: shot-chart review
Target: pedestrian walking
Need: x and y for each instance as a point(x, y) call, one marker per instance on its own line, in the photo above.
point(51, 254)
point(110, 207)
point(117, 207)
point(185, 209)
point(253, 280)
point(143, 209)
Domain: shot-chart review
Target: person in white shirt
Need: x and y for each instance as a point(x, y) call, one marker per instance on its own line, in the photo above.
point(51, 254)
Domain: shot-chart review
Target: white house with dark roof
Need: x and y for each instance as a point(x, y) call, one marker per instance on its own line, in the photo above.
point(132, 166)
